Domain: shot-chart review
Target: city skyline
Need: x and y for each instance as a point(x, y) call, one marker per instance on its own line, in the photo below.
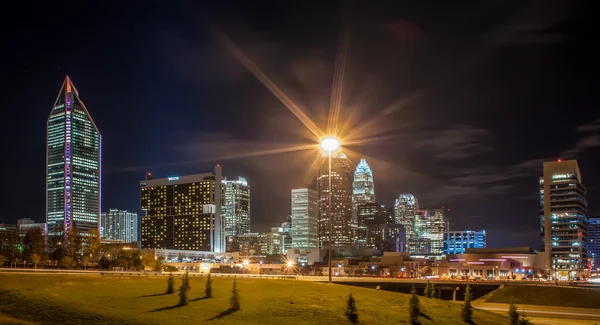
point(456, 147)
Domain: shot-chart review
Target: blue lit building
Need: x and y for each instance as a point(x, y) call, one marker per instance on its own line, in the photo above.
point(73, 165)
point(456, 242)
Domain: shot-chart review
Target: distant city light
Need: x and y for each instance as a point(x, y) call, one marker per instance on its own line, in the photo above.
point(290, 263)
point(246, 262)
point(174, 178)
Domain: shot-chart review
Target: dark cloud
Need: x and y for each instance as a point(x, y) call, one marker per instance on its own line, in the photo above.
point(455, 142)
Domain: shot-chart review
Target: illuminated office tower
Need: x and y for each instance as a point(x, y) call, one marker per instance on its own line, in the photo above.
point(563, 219)
point(431, 225)
point(73, 165)
point(183, 212)
point(236, 211)
point(305, 219)
point(456, 242)
point(594, 241)
point(363, 187)
point(119, 225)
point(371, 214)
point(341, 201)
point(405, 210)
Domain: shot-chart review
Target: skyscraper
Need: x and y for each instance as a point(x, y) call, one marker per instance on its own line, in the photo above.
point(563, 219)
point(594, 240)
point(236, 211)
point(183, 213)
point(341, 201)
point(73, 165)
point(305, 219)
point(405, 210)
point(119, 225)
point(363, 187)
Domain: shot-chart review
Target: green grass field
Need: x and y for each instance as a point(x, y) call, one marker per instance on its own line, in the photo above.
point(56, 299)
point(547, 296)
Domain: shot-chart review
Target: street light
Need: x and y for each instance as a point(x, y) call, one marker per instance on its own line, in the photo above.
point(329, 145)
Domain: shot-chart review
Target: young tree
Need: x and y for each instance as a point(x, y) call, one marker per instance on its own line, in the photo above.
point(523, 320)
point(3, 260)
point(170, 284)
point(351, 311)
point(467, 309)
point(414, 307)
point(66, 262)
point(34, 242)
point(432, 293)
point(85, 260)
point(513, 315)
point(234, 301)
point(186, 281)
point(35, 259)
point(93, 245)
point(427, 289)
point(183, 293)
point(208, 289)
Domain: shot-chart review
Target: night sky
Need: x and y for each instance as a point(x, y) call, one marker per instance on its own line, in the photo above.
point(469, 98)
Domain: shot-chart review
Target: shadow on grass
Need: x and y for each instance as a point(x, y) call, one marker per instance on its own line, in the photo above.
point(202, 298)
point(425, 316)
point(155, 295)
point(223, 314)
point(167, 308)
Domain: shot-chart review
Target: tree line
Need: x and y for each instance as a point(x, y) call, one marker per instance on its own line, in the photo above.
point(81, 250)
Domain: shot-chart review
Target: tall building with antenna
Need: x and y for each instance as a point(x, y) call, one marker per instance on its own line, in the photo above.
point(363, 187)
point(73, 165)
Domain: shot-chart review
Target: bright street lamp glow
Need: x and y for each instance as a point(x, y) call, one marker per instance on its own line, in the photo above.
point(246, 262)
point(290, 264)
point(330, 144)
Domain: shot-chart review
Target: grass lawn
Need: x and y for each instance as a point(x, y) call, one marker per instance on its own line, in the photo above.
point(547, 296)
point(59, 299)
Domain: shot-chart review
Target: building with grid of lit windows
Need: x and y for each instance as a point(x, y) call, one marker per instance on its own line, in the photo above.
point(73, 165)
point(372, 214)
point(339, 222)
point(183, 213)
point(563, 219)
point(363, 187)
point(119, 225)
point(236, 209)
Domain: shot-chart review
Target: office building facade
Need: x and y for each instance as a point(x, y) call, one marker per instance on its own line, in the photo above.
point(119, 225)
point(386, 237)
point(431, 224)
point(305, 219)
point(563, 219)
point(456, 242)
point(371, 214)
point(594, 241)
point(335, 228)
point(405, 210)
point(236, 210)
point(285, 232)
point(183, 213)
point(73, 165)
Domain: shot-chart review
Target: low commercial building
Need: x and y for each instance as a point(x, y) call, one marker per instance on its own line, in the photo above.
point(493, 263)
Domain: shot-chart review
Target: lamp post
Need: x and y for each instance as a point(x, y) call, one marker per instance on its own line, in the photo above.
point(329, 145)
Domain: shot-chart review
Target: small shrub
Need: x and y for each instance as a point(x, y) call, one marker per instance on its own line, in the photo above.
point(186, 281)
point(414, 307)
point(234, 302)
point(467, 310)
point(208, 289)
point(351, 311)
point(432, 293)
point(170, 284)
point(513, 315)
point(183, 294)
point(426, 290)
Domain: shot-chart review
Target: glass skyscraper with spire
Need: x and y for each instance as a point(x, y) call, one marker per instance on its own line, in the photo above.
point(73, 165)
point(363, 187)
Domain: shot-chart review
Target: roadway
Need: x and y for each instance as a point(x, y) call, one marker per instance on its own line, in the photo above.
point(546, 315)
